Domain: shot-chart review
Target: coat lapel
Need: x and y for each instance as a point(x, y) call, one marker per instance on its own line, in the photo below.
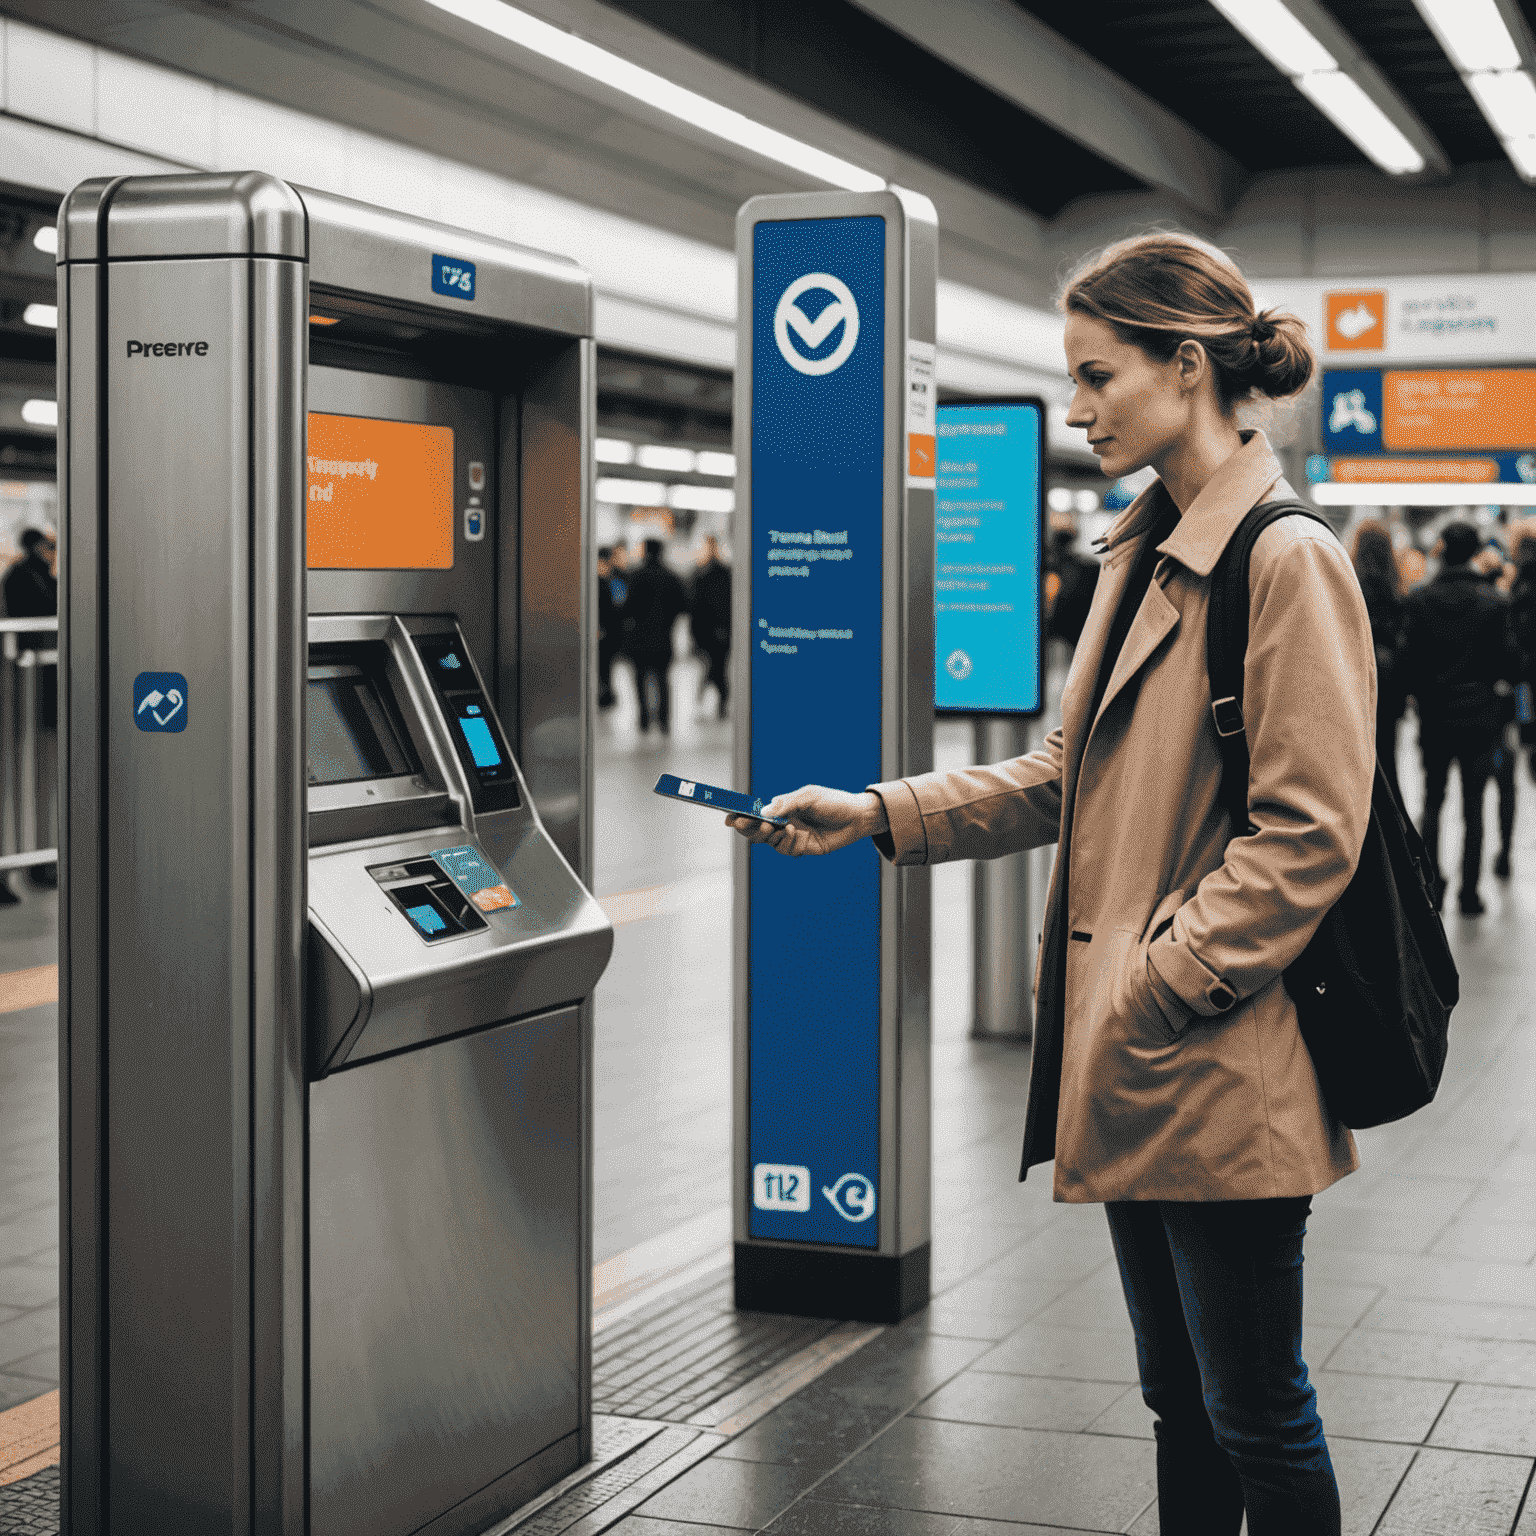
point(1155, 620)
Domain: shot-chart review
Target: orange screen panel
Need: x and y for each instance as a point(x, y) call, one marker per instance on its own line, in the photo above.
point(380, 495)
point(1459, 408)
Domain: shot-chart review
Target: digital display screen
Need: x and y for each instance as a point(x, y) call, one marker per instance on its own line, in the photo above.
point(351, 734)
point(482, 745)
point(988, 544)
point(380, 495)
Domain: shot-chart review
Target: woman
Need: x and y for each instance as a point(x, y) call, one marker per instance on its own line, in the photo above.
point(1375, 563)
point(1169, 1080)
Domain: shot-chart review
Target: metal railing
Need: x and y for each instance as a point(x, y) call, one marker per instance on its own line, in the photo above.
point(28, 744)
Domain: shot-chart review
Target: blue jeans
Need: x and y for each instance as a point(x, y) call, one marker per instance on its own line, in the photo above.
point(1214, 1293)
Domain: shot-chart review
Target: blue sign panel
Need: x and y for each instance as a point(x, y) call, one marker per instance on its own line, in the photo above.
point(453, 277)
point(818, 442)
point(1352, 410)
point(988, 534)
point(160, 701)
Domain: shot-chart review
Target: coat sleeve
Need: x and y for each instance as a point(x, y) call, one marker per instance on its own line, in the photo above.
point(974, 813)
point(1309, 703)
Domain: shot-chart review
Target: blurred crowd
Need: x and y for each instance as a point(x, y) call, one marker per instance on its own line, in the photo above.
point(638, 606)
point(1454, 627)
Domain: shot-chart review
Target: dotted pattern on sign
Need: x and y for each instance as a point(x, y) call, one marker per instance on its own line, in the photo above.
point(674, 1359)
point(31, 1507)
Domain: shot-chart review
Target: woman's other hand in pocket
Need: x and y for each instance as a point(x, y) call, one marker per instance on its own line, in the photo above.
point(820, 820)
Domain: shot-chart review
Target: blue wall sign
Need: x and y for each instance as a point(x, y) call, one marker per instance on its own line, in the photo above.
point(1352, 410)
point(160, 701)
point(453, 277)
point(818, 472)
point(988, 533)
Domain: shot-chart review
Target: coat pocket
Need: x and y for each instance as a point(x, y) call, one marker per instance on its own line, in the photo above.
point(1131, 995)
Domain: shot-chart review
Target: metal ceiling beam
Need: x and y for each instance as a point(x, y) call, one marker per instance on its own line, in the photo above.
point(1357, 63)
point(1025, 62)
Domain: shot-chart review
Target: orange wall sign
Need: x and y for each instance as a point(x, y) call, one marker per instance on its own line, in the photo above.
point(1357, 321)
point(380, 495)
point(1459, 408)
point(1403, 471)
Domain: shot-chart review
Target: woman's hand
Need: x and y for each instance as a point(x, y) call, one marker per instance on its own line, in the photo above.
point(820, 820)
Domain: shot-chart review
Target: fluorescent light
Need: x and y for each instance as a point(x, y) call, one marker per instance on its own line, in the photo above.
point(1412, 493)
point(1473, 33)
point(711, 463)
point(40, 413)
point(1522, 154)
point(44, 316)
point(675, 461)
point(1341, 98)
point(1290, 46)
point(701, 498)
point(655, 91)
point(631, 493)
point(614, 450)
point(1278, 35)
point(47, 239)
point(1508, 101)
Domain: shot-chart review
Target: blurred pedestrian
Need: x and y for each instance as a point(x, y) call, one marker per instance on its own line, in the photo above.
point(710, 616)
point(31, 590)
point(1412, 567)
point(1375, 564)
point(1076, 581)
point(607, 628)
point(654, 601)
point(1522, 624)
point(1455, 653)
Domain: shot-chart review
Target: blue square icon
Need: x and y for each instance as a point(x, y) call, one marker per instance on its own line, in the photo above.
point(453, 277)
point(160, 701)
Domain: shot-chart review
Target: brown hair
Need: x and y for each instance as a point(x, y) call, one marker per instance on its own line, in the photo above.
point(1162, 289)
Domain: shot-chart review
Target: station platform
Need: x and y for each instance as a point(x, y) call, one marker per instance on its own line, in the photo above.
point(1011, 1401)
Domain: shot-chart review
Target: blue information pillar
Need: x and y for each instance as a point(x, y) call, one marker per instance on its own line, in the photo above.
point(834, 685)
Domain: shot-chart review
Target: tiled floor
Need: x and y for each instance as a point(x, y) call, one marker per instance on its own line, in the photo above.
point(1011, 1399)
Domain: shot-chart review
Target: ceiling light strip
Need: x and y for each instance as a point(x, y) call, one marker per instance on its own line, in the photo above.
point(655, 91)
point(1491, 49)
point(1295, 49)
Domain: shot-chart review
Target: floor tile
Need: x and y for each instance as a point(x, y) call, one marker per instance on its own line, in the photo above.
point(817, 1430)
point(1331, 1304)
point(1021, 1402)
point(1368, 1473)
point(1075, 1353)
point(1458, 1491)
point(816, 1517)
point(1496, 1362)
point(1500, 1242)
point(1405, 1314)
point(20, 1389)
point(643, 1525)
point(744, 1495)
point(1127, 1416)
point(26, 1285)
point(1023, 1475)
point(26, 1334)
point(1378, 1407)
point(1479, 1418)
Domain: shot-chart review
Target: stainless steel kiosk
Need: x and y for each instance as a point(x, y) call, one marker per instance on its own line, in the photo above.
point(327, 950)
point(835, 462)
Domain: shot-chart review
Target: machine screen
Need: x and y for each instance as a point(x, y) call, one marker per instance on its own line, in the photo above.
point(351, 733)
point(480, 744)
point(380, 495)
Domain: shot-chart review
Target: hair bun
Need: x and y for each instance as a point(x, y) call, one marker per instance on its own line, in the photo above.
point(1283, 358)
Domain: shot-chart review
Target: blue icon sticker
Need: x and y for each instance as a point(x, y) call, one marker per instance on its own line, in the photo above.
point(160, 701)
point(453, 277)
point(468, 870)
point(427, 918)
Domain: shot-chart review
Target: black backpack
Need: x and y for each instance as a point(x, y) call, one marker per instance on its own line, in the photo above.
point(1375, 986)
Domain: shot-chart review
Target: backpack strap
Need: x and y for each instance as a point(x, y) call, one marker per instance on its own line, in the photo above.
point(1226, 649)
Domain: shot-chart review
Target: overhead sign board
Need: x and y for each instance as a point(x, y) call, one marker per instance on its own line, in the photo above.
point(988, 537)
point(1444, 409)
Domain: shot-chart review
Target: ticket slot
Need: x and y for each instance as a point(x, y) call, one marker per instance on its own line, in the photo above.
point(431, 903)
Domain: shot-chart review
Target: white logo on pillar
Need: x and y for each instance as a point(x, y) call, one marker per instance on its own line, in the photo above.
point(816, 333)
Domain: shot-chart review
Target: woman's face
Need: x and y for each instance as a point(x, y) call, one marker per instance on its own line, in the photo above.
point(1132, 407)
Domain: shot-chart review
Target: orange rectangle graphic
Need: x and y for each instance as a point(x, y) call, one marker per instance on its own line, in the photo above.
point(1459, 408)
point(920, 455)
point(380, 495)
point(1434, 471)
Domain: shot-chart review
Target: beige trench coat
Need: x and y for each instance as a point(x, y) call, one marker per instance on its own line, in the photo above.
point(1217, 1101)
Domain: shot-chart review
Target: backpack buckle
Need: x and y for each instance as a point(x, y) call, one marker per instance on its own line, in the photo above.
point(1228, 714)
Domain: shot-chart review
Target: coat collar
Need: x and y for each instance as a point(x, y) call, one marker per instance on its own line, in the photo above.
point(1233, 491)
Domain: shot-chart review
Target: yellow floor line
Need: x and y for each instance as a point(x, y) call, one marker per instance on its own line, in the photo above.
point(28, 989)
point(29, 1437)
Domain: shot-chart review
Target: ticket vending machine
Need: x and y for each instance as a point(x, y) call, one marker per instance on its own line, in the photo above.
point(327, 949)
